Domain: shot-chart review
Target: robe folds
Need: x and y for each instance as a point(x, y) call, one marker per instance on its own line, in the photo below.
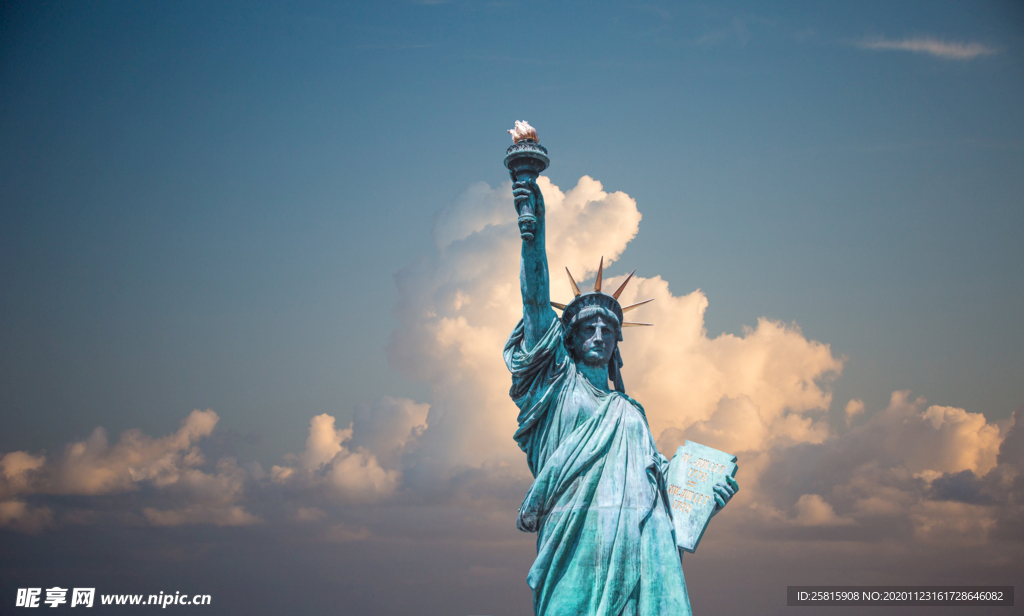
point(605, 540)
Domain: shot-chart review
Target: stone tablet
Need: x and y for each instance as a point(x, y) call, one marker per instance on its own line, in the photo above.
point(692, 474)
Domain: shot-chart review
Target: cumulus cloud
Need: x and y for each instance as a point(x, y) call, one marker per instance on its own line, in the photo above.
point(853, 408)
point(931, 46)
point(324, 442)
point(198, 514)
point(748, 392)
point(18, 515)
point(387, 427)
point(457, 307)
point(208, 498)
point(360, 463)
point(929, 469)
point(926, 439)
point(93, 467)
point(812, 510)
point(17, 470)
point(737, 393)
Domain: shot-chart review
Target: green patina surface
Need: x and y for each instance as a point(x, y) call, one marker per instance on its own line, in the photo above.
point(605, 541)
point(599, 503)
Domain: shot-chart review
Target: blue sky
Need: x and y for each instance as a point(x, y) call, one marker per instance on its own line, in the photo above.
point(206, 206)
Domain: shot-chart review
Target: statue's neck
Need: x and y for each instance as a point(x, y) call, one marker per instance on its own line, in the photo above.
point(597, 375)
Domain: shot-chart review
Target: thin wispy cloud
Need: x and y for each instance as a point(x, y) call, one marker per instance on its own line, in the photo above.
point(930, 46)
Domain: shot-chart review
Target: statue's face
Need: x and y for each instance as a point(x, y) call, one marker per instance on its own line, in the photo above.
point(594, 341)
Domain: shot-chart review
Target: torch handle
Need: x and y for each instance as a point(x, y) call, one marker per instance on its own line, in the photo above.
point(525, 160)
point(526, 209)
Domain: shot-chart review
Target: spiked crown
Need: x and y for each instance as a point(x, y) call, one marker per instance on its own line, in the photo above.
point(597, 298)
point(581, 301)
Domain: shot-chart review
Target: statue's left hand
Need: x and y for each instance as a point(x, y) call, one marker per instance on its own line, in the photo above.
point(724, 491)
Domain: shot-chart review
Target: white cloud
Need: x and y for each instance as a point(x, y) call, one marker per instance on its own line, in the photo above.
point(386, 427)
point(688, 381)
point(910, 465)
point(361, 462)
point(456, 309)
point(359, 476)
point(952, 523)
point(93, 467)
point(932, 439)
point(197, 514)
point(323, 443)
point(930, 46)
point(20, 516)
point(208, 498)
point(16, 471)
point(812, 510)
point(853, 408)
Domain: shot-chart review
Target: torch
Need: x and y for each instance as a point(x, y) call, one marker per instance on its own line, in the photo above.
point(525, 159)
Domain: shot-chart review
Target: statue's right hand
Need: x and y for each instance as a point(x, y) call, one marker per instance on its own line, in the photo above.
point(523, 190)
point(538, 199)
point(521, 193)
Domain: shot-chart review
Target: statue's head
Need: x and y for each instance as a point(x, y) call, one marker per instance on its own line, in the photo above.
point(593, 336)
point(592, 326)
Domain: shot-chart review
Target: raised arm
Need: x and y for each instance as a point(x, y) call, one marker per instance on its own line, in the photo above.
point(533, 268)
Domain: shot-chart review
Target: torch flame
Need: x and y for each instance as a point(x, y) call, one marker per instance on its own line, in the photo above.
point(523, 130)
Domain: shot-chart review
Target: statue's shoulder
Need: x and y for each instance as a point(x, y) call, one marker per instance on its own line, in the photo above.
point(548, 352)
point(551, 340)
point(638, 406)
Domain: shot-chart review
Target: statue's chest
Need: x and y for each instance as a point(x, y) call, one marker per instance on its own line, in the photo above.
point(583, 404)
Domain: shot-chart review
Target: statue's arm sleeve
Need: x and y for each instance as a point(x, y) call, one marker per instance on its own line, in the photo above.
point(538, 376)
point(534, 280)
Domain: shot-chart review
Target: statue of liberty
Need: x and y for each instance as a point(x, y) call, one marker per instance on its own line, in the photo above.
point(606, 544)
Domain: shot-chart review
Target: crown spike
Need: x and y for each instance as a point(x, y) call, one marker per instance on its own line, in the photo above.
point(560, 306)
point(623, 285)
point(632, 306)
point(600, 272)
point(628, 324)
point(575, 289)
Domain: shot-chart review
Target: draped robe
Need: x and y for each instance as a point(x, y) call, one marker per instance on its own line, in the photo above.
point(605, 540)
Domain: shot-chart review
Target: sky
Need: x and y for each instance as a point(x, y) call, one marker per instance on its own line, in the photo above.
point(259, 261)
